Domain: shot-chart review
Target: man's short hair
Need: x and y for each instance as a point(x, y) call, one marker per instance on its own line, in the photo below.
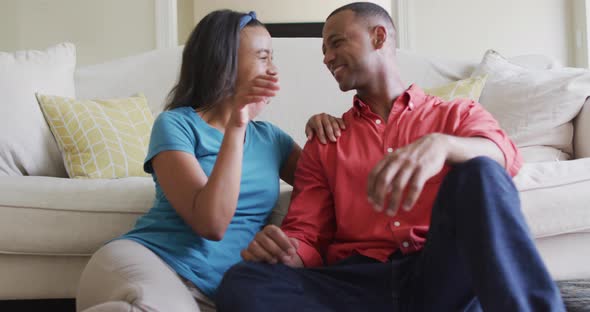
point(367, 10)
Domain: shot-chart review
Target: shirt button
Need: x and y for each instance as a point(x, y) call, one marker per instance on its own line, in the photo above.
point(390, 150)
point(378, 121)
point(411, 105)
point(405, 244)
point(396, 223)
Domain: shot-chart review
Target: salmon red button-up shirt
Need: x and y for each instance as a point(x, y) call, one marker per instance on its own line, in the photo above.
point(330, 214)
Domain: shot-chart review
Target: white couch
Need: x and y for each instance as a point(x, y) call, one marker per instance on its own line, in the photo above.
point(50, 226)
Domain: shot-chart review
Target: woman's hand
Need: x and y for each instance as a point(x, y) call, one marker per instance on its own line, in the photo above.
point(324, 125)
point(251, 98)
point(271, 245)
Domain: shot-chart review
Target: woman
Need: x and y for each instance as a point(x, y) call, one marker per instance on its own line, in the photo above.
point(216, 173)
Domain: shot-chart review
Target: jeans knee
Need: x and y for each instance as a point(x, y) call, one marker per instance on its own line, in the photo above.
point(481, 164)
point(480, 168)
point(479, 177)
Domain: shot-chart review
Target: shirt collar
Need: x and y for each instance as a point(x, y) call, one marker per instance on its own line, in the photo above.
point(410, 98)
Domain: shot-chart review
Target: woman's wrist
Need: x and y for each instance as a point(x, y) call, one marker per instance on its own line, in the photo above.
point(235, 134)
point(236, 129)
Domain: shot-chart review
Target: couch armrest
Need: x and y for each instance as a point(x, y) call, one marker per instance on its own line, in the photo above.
point(582, 132)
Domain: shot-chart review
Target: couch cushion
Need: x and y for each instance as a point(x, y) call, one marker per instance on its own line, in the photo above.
point(469, 88)
point(555, 198)
point(534, 107)
point(307, 87)
point(26, 144)
point(429, 72)
point(432, 71)
point(101, 138)
point(54, 216)
point(153, 73)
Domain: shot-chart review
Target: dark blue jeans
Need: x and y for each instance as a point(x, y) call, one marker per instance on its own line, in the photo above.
point(479, 255)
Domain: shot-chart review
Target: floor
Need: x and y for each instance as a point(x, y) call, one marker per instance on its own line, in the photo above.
point(576, 295)
point(49, 305)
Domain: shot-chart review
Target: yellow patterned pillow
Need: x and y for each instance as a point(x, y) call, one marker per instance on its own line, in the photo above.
point(469, 88)
point(100, 138)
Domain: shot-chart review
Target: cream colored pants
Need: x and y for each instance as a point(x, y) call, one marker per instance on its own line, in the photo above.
point(126, 276)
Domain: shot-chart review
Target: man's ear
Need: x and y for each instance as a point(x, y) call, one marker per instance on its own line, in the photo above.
point(379, 36)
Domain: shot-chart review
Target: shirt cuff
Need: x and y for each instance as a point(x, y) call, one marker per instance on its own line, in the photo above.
point(309, 255)
point(512, 157)
point(516, 165)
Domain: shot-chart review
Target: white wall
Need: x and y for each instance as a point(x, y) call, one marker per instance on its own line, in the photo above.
point(580, 9)
point(275, 11)
point(102, 30)
point(466, 28)
point(108, 29)
point(186, 20)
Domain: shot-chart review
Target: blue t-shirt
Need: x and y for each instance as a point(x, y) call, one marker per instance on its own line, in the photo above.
point(202, 261)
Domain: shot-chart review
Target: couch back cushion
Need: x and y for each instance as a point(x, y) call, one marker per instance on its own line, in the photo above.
point(152, 73)
point(535, 107)
point(26, 144)
point(307, 87)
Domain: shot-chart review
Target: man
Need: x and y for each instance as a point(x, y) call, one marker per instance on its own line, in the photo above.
point(413, 209)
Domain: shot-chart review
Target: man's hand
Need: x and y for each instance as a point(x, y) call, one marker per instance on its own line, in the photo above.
point(273, 246)
point(324, 125)
point(405, 171)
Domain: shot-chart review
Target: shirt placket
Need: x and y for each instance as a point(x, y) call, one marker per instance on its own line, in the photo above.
point(396, 224)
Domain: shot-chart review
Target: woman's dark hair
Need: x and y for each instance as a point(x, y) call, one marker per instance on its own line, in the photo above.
point(209, 62)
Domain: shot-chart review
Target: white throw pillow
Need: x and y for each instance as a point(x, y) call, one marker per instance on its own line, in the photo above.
point(26, 144)
point(535, 107)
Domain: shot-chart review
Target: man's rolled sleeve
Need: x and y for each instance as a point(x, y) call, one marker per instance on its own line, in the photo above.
point(310, 218)
point(477, 122)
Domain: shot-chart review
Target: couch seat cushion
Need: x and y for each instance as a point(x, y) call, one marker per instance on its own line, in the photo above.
point(56, 216)
point(555, 198)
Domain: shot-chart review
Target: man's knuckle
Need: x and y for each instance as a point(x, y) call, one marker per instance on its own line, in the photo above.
point(410, 161)
point(413, 187)
point(381, 180)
